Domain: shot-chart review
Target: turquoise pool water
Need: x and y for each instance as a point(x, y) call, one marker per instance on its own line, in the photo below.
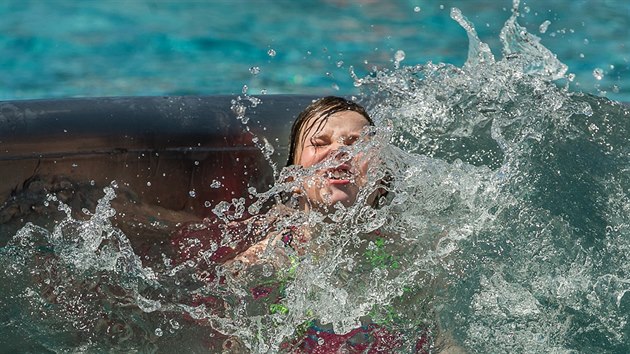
point(154, 47)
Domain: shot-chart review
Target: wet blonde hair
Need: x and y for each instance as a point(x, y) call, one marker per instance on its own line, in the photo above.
point(322, 108)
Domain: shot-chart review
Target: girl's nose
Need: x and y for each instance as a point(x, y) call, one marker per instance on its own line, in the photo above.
point(339, 152)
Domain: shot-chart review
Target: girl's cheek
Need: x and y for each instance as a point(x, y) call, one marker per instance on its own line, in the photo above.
point(362, 162)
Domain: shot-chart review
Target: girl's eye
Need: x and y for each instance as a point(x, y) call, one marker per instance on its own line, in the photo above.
point(349, 140)
point(319, 142)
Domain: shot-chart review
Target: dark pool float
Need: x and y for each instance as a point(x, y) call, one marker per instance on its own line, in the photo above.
point(168, 150)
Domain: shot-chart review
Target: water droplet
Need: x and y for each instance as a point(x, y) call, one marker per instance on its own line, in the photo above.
point(416, 9)
point(544, 26)
point(174, 323)
point(196, 163)
point(271, 53)
point(254, 70)
point(147, 305)
point(598, 73)
point(148, 184)
point(399, 56)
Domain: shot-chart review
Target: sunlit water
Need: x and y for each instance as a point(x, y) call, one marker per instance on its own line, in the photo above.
point(506, 229)
point(67, 48)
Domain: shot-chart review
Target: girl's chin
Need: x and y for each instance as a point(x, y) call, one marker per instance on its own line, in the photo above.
point(336, 195)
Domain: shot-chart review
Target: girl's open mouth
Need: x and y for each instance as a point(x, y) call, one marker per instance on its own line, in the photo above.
point(339, 175)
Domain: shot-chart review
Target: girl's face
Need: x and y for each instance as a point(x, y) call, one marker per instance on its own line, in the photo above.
point(341, 178)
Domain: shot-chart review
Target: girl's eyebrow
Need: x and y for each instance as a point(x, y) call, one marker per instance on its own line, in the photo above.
point(325, 132)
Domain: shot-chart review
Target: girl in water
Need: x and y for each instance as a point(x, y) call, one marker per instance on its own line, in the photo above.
point(328, 175)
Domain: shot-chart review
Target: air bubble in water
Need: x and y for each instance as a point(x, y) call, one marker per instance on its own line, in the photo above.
point(598, 73)
point(215, 184)
point(192, 193)
point(416, 9)
point(271, 53)
point(158, 332)
point(254, 70)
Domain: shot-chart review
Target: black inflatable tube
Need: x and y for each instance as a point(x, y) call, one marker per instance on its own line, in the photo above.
point(169, 150)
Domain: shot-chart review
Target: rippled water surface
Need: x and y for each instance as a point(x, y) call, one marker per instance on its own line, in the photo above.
point(106, 48)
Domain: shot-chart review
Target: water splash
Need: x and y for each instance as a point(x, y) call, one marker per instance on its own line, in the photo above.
point(505, 226)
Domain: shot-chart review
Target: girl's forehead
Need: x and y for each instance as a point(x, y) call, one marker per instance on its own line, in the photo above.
point(346, 119)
